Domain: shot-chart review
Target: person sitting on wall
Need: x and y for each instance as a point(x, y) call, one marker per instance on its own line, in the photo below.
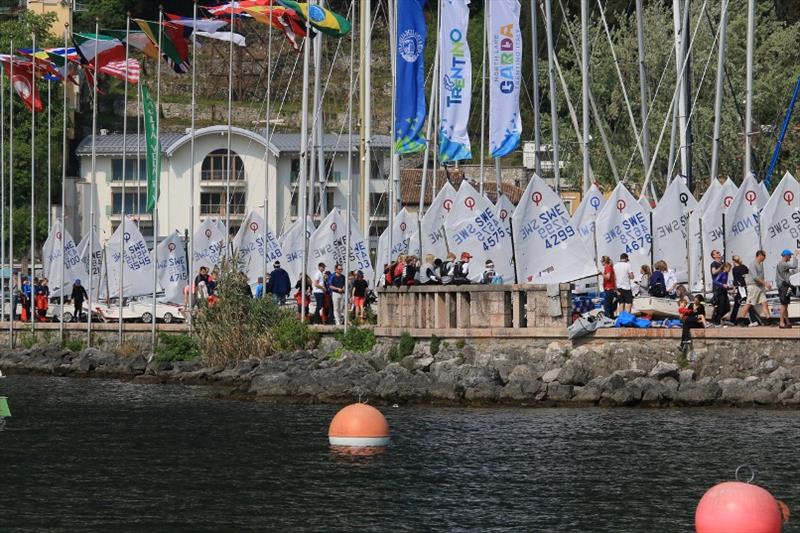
point(447, 268)
point(461, 269)
point(693, 316)
point(410, 271)
point(488, 273)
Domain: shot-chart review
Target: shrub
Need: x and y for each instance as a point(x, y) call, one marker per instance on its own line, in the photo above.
point(73, 345)
point(290, 334)
point(28, 340)
point(460, 343)
point(180, 347)
point(360, 340)
point(406, 345)
point(435, 341)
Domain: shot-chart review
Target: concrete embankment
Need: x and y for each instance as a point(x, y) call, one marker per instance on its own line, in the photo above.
point(536, 372)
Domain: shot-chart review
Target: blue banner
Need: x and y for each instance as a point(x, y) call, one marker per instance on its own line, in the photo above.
point(410, 108)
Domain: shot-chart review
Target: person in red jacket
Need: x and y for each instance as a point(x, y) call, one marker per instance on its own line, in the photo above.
point(609, 286)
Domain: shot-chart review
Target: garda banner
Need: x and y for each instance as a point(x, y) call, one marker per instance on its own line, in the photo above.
point(137, 269)
point(93, 264)
point(548, 247)
point(455, 85)
point(623, 227)
point(505, 76)
point(586, 216)
point(780, 224)
point(742, 232)
point(400, 234)
point(713, 233)
point(503, 209)
point(696, 236)
point(172, 268)
point(54, 263)
point(432, 238)
point(410, 109)
point(472, 226)
point(293, 247)
point(257, 246)
point(671, 228)
point(329, 245)
point(208, 244)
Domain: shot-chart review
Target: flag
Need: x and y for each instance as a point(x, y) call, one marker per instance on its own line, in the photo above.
point(116, 69)
point(321, 19)
point(455, 82)
point(286, 20)
point(505, 77)
point(22, 79)
point(410, 109)
point(153, 149)
point(138, 40)
point(97, 50)
point(174, 46)
point(235, 8)
point(226, 36)
point(44, 67)
point(206, 25)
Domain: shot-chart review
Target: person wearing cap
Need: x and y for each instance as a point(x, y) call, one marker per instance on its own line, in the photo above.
point(786, 267)
point(488, 272)
point(279, 284)
point(461, 269)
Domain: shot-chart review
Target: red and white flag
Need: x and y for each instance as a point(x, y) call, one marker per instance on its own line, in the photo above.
point(22, 81)
point(117, 70)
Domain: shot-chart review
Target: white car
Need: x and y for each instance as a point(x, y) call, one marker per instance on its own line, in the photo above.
point(141, 311)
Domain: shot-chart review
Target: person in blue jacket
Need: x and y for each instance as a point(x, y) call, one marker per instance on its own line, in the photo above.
point(279, 285)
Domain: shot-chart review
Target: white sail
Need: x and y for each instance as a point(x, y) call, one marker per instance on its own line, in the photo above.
point(432, 238)
point(328, 244)
point(586, 216)
point(696, 252)
point(255, 252)
point(623, 226)
point(671, 228)
point(137, 275)
point(208, 243)
point(54, 263)
point(504, 209)
point(401, 233)
point(712, 225)
point(173, 271)
point(91, 283)
point(292, 245)
point(742, 233)
point(780, 224)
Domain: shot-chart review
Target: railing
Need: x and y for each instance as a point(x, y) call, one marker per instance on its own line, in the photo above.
point(219, 175)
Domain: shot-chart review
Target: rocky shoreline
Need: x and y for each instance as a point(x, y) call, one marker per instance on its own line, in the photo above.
point(474, 374)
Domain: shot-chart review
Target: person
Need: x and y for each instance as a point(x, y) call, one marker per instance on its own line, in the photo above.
point(25, 299)
point(360, 286)
point(756, 290)
point(461, 269)
point(624, 279)
point(42, 301)
point(397, 274)
point(202, 277)
point(303, 301)
point(78, 296)
point(488, 272)
point(211, 284)
point(643, 283)
point(260, 288)
point(337, 283)
point(244, 286)
point(786, 267)
point(693, 316)
point(609, 286)
point(739, 273)
point(671, 285)
point(447, 268)
point(410, 271)
point(716, 263)
point(722, 303)
point(318, 291)
point(429, 275)
point(279, 284)
point(658, 283)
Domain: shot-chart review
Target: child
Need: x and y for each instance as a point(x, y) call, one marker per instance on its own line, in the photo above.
point(693, 316)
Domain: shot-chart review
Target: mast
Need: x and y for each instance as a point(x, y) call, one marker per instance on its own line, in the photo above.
point(190, 259)
point(681, 104)
point(748, 113)
point(686, 139)
point(553, 103)
point(643, 96)
point(230, 133)
point(124, 178)
point(350, 164)
point(537, 126)
point(33, 189)
point(92, 193)
point(365, 103)
point(392, 148)
point(158, 178)
point(483, 95)
point(3, 198)
point(716, 141)
point(18, 285)
point(64, 148)
point(304, 164)
point(266, 149)
point(585, 90)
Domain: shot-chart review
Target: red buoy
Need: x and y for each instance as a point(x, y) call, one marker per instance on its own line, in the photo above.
point(736, 507)
point(359, 425)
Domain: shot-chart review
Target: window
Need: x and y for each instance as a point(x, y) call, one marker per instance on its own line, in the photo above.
point(130, 202)
point(130, 169)
point(215, 166)
point(213, 203)
point(295, 171)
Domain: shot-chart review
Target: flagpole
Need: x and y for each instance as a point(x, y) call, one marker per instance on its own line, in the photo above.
point(428, 127)
point(17, 286)
point(312, 160)
point(33, 181)
point(483, 94)
point(156, 192)
point(230, 132)
point(3, 197)
point(138, 154)
point(392, 148)
point(553, 101)
point(723, 37)
point(748, 112)
point(318, 121)
point(49, 158)
point(63, 287)
point(350, 165)
point(435, 96)
point(266, 148)
point(537, 126)
point(190, 259)
point(585, 91)
point(304, 165)
point(91, 190)
point(124, 178)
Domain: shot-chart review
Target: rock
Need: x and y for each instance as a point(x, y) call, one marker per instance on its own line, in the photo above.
point(789, 392)
point(558, 392)
point(670, 383)
point(270, 385)
point(629, 394)
point(613, 382)
point(551, 375)
point(522, 373)
point(686, 375)
point(630, 373)
point(663, 370)
point(734, 390)
point(423, 364)
point(574, 373)
point(591, 392)
point(520, 390)
point(781, 373)
point(762, 396)
point(768, 366)
point(653, 391)
point(697, 393)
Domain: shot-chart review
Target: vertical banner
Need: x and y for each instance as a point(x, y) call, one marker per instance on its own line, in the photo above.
point(780, 224)
point(293, 245)
point(51, 253)
point(208, 245)
point(153, 148)
point(742, 232)
point(409, 97)
point(623, 227)
point(505, 76)
point(138, 266)
point(172, 268)
point(329, 245)
point(547, 245)
point(455, 84)
point(671, 228)
point(254, 251)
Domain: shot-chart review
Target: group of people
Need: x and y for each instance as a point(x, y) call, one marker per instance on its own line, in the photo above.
point(33, 298)
point(406, 271)
point(329, 292)
point(621, 285)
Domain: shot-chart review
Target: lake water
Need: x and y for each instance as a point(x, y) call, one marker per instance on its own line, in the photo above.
point(93, 455)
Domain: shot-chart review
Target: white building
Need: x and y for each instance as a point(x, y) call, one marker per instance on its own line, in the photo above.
point(252, 182)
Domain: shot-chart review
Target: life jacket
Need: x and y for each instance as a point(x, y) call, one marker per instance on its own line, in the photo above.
point(397, 275)
point(458, 271)
point(388, 274)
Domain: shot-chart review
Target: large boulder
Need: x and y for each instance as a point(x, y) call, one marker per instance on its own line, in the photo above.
point(558, 392)
point(574, 373)
point(703, 392)
point(551, 375)
point(663, 370)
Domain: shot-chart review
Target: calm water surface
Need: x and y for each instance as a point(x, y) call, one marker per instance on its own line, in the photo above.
point(86, 455)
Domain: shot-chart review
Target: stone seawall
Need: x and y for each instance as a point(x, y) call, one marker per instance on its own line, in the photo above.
point(529, 372)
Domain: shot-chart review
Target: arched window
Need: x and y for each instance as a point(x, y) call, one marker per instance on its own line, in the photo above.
point(215, 166)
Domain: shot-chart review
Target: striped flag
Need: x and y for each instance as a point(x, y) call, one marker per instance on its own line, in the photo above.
point(283, 19)
point(174, 46)
point(321, 19)
point(97, 50)
point(116, 69)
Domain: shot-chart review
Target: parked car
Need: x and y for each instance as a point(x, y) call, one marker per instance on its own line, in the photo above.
point(141, 310)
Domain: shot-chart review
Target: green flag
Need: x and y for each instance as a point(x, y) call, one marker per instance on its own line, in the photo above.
point(153, 149)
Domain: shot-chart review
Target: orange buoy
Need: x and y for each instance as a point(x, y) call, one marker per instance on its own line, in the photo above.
point(736, 507)
point(359, 425)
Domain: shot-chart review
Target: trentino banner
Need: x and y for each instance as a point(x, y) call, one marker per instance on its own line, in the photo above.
point(455, 84)
point(505, 76)
point(410, 108)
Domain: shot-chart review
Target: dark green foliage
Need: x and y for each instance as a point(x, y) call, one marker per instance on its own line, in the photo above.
point(73, 345)
point(405, 346)
point(460, 343)
point(290, 334)
point(359, 340)
point(435, 342)
point(180, 347)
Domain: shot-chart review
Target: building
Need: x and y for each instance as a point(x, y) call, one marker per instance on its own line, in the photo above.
point(262, 172)
point(62, 9)
point(411, 186)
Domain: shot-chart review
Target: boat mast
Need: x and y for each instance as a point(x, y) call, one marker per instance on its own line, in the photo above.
point(537, 126)
point(553, 103)
point(748, 113)
point(585, 90)
point(723, 31)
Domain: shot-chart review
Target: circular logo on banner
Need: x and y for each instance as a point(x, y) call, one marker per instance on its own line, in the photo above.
point(208, 233)
point(22, 86)
point(727, 201)
point(621, 205)
point(594, 201)
point(536, 197)
point(58, 235)
point(171, 247)
point(684, 198)
point(410, 45)
point(316, 13)
point(126, 236)
point(448, 205)
point(503, 214)
point(254, 227)
point(750, 196)
point(470, 202)
point(333, 227)
point(403, 226)
point(788, 196)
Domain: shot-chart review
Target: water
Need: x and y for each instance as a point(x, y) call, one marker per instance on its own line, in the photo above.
point(93, 455)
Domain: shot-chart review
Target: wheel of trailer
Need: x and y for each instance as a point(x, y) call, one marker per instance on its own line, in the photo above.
point(147, 318)
point(67, 317)
point(168, 318)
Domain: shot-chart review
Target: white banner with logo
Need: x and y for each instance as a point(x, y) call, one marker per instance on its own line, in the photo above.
point(328, 244)
point(780, 224)
point(547, 245)
point(54, 264)
point(713, 234)
point(671, 228)
point(472, 226)
point(137, 269)
point(742, 232)
point(91, 282)
point(209, 240)
point(292, 244)
point(623, 227)
point(173, 268)
point(257, 246)
point(505, 76)
point(455, 85)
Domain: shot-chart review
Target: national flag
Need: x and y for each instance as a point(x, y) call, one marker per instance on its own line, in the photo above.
point(174, 46)
point(63, 64)
point(321, 19)
point(44, 67)
point(138, 40)
point(284, 19)
point(21, 74)
point(235, 8)
point(97, 50)
point(153, 148)
point(207, 25)
point(116, 69)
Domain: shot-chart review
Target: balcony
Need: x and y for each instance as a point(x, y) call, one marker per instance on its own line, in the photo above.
point(219, 210)
point(217, 178)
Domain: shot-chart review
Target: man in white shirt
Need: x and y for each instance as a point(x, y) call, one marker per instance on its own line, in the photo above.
point(318, 290)
point(624, 276)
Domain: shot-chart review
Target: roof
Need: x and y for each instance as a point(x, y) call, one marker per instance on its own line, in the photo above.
point(411, 184)
point(111, 144)
point(331, 142)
